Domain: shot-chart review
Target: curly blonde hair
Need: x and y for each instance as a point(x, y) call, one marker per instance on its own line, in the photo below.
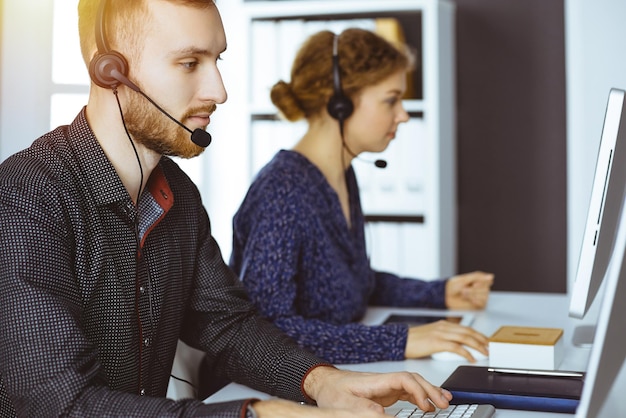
point(365, 59)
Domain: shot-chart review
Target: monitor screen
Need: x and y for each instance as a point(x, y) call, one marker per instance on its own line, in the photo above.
point(603, 211)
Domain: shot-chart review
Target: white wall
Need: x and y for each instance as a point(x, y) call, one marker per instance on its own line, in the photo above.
point(595, 48)
point(26, 68)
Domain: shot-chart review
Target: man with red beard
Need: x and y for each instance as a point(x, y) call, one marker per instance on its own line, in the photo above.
point(107, 258)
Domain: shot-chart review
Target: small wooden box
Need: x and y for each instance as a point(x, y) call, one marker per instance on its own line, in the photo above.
point(526, 348)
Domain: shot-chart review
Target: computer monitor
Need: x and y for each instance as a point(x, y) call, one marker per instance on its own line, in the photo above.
point(608, 351)
point(602, 216)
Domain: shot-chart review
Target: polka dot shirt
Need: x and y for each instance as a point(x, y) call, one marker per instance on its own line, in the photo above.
point(96, 294)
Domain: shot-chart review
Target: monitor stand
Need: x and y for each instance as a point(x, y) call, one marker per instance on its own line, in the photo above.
point(583, 336)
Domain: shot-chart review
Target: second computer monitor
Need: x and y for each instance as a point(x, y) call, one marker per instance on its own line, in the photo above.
point(604, 209)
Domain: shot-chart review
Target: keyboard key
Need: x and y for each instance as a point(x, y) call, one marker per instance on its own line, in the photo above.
point(453, 411)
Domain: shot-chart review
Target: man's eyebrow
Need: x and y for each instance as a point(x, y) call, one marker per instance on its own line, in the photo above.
point(194, 51)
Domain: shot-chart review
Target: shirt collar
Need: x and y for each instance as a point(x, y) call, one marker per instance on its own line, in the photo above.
point(103, 180)
point(99, 173)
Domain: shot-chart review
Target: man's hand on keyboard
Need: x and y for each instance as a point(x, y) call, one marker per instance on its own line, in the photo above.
point(343, 389)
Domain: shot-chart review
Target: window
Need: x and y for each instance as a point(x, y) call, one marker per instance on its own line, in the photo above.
point(70, 80)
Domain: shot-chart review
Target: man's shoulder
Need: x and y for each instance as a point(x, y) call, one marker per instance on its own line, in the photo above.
point(43, 157)
point(53, 164)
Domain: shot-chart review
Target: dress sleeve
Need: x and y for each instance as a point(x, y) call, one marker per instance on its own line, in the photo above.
point(392, 290)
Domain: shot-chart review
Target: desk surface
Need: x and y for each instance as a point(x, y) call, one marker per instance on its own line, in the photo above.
point(504, 308)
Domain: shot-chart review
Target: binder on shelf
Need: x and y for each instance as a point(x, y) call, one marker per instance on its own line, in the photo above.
point(270, 136)
point(385, 249)
point(264, 59)
point(417, 253)
point(413, 136)
point(400, 188)
point(261, 148)
point(291, 36)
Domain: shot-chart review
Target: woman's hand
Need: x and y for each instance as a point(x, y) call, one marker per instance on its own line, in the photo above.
point(469, 290)
point(443, 335)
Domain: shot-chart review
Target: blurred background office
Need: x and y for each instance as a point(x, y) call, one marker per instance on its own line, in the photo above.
point(495, 171)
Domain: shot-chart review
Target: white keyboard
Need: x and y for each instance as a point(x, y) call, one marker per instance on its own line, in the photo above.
point(453, 411)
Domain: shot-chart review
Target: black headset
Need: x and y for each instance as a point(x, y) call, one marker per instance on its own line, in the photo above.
point(107, 66)
point(339, 105)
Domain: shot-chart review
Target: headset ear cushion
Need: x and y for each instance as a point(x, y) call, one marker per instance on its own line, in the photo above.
point(102, 67)
point(339, 106)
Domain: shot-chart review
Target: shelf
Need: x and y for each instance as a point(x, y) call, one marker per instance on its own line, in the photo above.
point(414, 219)
point(295, 9)
point(267, 111)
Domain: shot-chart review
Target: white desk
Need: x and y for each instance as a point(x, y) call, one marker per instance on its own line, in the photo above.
point(504, 308)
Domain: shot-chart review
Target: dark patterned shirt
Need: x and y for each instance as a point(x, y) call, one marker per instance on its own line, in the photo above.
point(310, 274)
point(88, 321)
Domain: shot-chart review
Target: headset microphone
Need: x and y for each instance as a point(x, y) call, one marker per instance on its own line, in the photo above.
point(108, 69)
point(340, 106)
point(380, 163)
point(377, 163)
